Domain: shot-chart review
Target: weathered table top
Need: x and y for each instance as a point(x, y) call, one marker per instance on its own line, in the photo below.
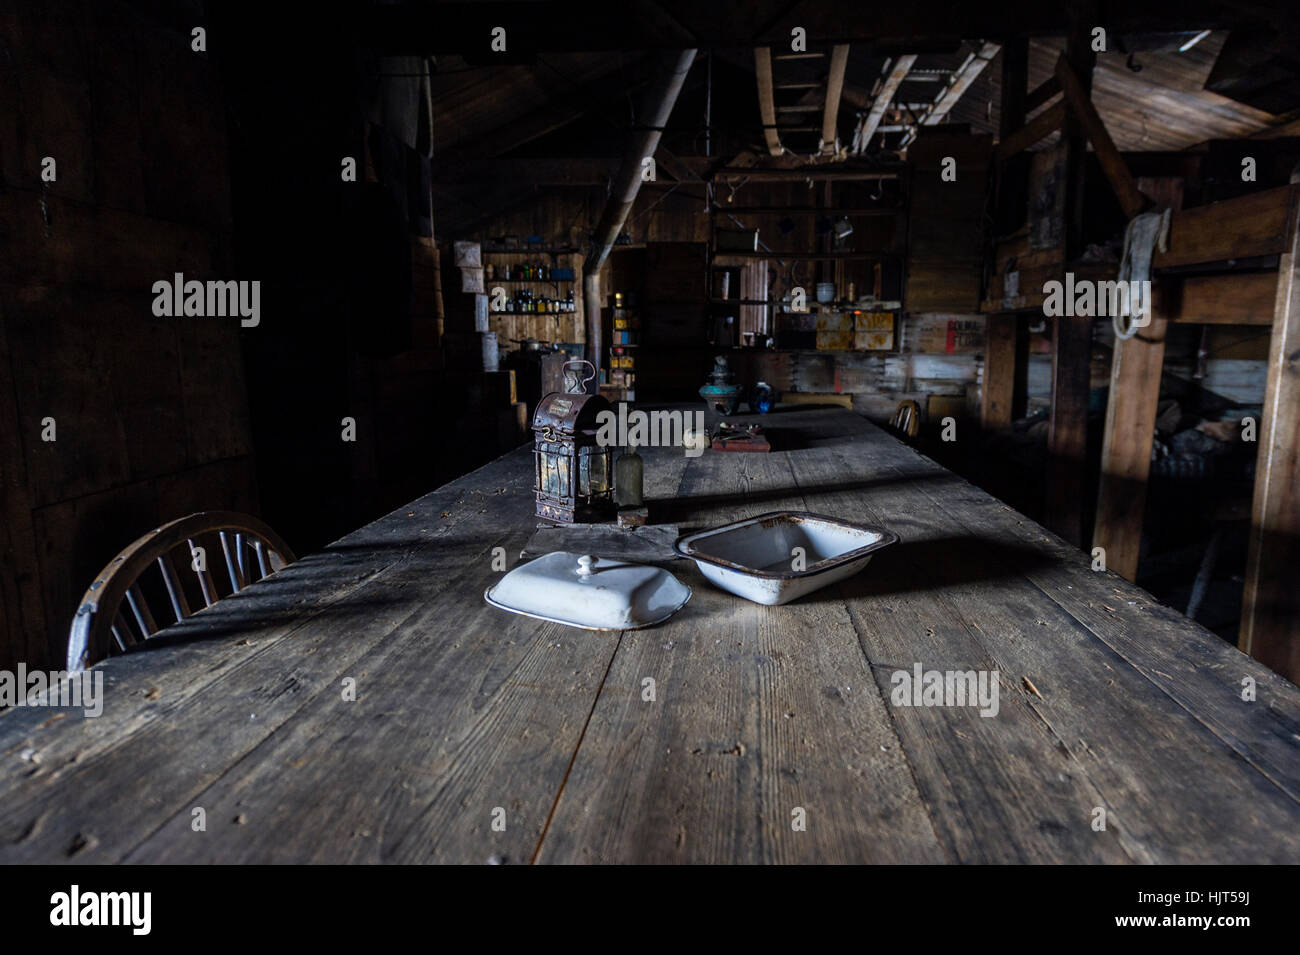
point(466, 715)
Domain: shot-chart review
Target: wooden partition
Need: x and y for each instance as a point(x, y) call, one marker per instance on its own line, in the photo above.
point(1255, 226)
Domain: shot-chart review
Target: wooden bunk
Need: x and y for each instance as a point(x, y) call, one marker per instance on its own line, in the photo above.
point(1211, 240)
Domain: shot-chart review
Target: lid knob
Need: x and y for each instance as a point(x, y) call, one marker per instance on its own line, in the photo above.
point(584, 565)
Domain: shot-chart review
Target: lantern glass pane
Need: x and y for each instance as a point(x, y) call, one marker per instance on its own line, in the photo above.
point(554, 474)
point(599, 471)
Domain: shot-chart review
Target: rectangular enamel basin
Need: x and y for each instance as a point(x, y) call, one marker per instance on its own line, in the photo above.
point(775, 558)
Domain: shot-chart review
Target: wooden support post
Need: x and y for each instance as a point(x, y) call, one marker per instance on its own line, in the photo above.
point(1067, 436)
point(1079, 63)
point(1013, 172)
point(998, 392)
point(1134, 397)
point(1270, 613)
point(1126, 447)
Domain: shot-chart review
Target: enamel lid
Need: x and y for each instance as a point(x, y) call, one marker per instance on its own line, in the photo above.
point(593, 593)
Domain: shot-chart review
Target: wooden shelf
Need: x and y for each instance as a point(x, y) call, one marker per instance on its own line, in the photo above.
point(814, 256)
point(527, 251)
point(810, 211)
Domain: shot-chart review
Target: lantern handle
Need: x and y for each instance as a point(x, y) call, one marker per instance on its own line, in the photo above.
point(585, 381)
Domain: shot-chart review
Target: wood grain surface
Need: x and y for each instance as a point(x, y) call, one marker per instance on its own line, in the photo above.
point(479, 736)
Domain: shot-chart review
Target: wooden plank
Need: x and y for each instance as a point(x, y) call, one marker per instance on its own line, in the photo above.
point(24, 630)
point(1270, 614)
point(1067, 434)
point(422, 550)
point(1126, 446)
point(998, 388)
point(1042, 94)
point(867, 128)
point(1121, 181)
point(959, 83)
point(766, 100)
point(1253, 225)
point(1120, 640)
point(1245, 298)
point(1044, 124)
point(1012, 176)
point(1133, 398)
point(804, 173)
point(451, 721)
point(834, 90)
point(712, 770)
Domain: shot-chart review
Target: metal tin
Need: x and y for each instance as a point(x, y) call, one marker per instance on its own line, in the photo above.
point(590, 593)
point(778, 557)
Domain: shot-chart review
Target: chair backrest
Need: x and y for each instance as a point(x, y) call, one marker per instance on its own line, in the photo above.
point(907, 419)
point(249, 550)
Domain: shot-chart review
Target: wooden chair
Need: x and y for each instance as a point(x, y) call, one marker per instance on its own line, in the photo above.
point(250, 549)
point(907, 419)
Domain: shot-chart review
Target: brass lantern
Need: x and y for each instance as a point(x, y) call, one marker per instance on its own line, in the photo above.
point(574, 477)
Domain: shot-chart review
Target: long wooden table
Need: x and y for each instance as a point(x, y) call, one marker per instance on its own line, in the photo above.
point(481, 736)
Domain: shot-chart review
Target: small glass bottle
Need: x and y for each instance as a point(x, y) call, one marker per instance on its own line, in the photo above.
point(629, 476)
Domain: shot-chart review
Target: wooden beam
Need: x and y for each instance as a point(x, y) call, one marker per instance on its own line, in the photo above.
point(566, 104)
point(1270, 613)
point(1126, 447)
point(1067, 435)
point(1245, 298)
point(1121, 181)
point(1135, 370)
point(1289, 128)
point(834, 88)
point(867, 128)
point(766, 100)
point(801, 173)
point(1249, 226)
point(998, 390)
point(960, 82)
point(1068, 426)
point(1042, 94)
point(1041, 126)
point(567, 171)
point(676, 167)
point(812, 210)
point(1012, 175)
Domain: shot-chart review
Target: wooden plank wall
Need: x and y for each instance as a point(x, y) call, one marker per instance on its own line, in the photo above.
point(945, 232)
point(151, 414)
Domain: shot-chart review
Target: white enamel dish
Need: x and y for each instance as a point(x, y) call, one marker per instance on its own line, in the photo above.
point(590, 593)
point(775, 558)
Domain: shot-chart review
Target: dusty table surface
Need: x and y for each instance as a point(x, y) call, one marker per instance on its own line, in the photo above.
point(477, 735)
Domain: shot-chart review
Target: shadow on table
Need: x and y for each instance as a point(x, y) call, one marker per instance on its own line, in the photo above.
point(676, 510)
point(918, 566)
point(334, 581)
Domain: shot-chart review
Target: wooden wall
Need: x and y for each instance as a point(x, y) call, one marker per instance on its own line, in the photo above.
point(151, 417)
point(945, 230)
